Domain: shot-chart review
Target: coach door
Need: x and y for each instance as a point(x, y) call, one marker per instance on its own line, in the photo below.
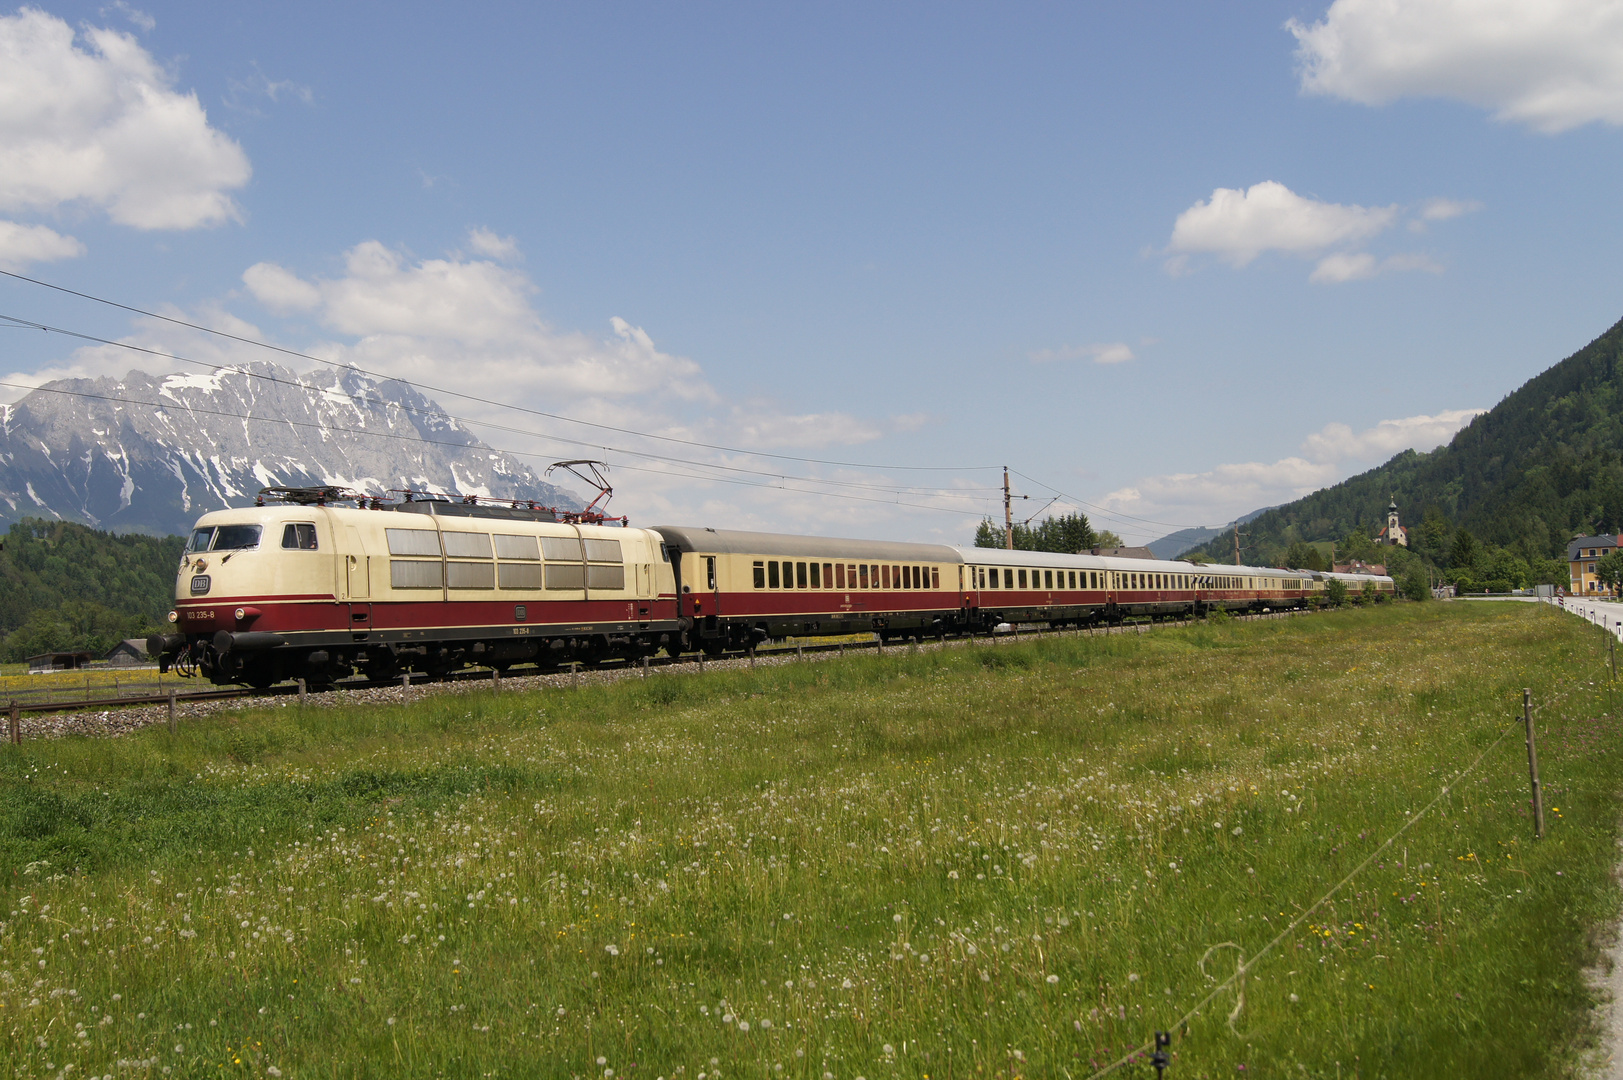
point(358, 567)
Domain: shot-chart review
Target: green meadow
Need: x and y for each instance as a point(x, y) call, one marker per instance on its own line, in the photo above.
point(978, 861)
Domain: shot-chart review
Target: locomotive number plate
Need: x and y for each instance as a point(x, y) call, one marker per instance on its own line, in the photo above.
point(200, 584)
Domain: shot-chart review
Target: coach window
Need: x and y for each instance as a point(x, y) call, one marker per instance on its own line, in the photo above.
point(884, 577)
point(816, 576)
point(839, 575)
point(299, 537)
point(935, 577)
point(760, 575)
point(710, 571)
point(800, 575)
point(772, 578)
point(1048, 578)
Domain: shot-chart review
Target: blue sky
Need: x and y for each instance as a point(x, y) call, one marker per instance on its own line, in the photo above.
point(1176, 261)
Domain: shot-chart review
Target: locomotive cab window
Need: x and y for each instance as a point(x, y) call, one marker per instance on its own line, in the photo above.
point(235, 538)
point(299, 537)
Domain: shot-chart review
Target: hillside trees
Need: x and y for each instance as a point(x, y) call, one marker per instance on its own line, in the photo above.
point(66, 587)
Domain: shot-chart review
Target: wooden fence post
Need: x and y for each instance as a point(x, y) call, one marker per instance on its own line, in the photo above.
point(1532, 766)
point(302, 691)
point(16, 723)
point(174, 724)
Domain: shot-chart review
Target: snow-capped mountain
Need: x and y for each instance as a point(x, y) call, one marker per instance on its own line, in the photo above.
point(149, 453)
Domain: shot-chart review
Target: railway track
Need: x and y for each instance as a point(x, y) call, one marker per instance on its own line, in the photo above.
point(696, 661)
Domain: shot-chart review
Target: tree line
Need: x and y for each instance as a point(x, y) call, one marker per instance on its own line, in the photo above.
point(65, 587)
point(1069, 534)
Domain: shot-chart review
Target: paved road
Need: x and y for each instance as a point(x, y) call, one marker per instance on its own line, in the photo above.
point(1607, 613)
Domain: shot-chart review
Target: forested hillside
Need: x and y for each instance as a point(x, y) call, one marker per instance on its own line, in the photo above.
point(1545, 464)
point(65, 586)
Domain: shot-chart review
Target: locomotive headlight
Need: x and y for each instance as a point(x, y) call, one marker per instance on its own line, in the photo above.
point(240, 613)
point(174, 616)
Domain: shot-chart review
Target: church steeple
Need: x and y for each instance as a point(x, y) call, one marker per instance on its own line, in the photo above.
point(1394, 533)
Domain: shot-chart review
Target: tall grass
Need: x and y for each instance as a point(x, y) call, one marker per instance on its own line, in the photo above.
point(987, 861)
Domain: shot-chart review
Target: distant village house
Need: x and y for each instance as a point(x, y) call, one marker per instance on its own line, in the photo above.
point(1583, 552)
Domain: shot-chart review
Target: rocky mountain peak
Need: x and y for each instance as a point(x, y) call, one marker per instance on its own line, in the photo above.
point(149, 453)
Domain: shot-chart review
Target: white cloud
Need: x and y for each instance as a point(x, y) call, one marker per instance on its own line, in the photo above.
point(1112, 352)
point(138, 18)
point(760, 426)
point(245, 93)
point(102, 126)
point(1339, 443)
point(1348, 266)
point(1237, 225)
point(1327, 456)
point(1549, 64)
point(279, 289)
point(24, 244)
point(1443, 209)
point(486, 243)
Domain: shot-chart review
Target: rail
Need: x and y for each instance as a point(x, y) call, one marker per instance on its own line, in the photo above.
point(27, 701)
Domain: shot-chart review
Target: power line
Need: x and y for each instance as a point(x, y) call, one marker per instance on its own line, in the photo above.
point(470, 421)
point(443, 442)
point(481, 400)
point(1116, 514)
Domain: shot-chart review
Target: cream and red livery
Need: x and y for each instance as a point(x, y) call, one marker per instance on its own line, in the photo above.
point(316, 591)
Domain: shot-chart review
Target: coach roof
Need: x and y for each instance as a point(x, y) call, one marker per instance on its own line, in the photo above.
point(733, 542)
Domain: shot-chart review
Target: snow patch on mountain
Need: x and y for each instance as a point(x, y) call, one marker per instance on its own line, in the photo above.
point(150, 453)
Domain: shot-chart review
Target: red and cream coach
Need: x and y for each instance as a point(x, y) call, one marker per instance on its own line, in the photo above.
point(306, 588)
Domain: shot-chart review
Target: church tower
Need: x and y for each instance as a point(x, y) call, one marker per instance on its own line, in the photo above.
point(1394, 533)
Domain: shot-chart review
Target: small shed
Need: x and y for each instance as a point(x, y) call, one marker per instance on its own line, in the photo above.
point(58, 661)
point(127, 653)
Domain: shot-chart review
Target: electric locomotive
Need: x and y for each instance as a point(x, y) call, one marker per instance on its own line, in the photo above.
point(304, 589)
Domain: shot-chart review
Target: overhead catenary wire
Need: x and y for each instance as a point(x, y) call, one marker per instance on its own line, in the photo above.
point(1102, 510)
point(493, 425)
point(782, 486)
point(476, 398)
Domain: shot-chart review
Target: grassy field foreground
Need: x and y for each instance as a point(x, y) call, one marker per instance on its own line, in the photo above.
point(987, 861)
